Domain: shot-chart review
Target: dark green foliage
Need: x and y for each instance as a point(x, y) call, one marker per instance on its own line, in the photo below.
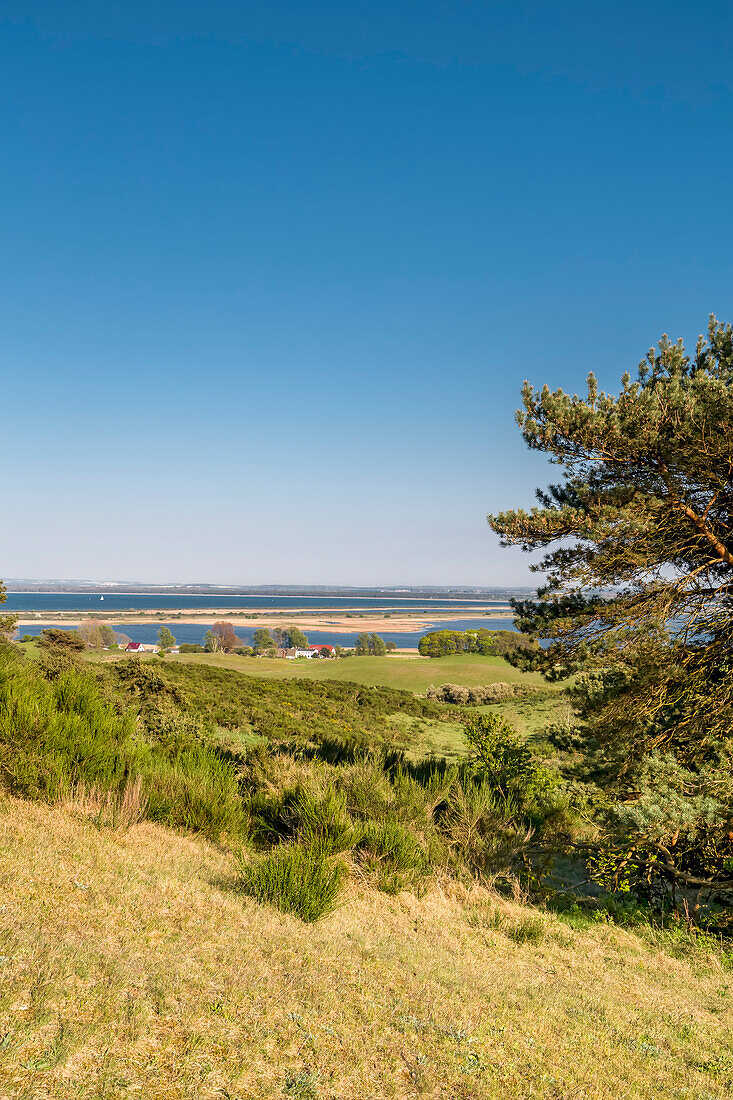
point(393, 853)
point(61, 732)
point(293, 710)
point(639, 596)
point(190, 647)
point(370, 645)
point(194, 788)
point(64, 639)
point(296, 879)
point(489, 643)
point(57, 733)
point(294, 637)
point(315, 817)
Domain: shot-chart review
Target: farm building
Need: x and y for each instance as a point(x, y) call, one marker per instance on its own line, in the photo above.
point(309, 651)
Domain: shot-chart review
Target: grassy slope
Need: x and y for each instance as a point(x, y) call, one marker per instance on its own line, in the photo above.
point(130, 969)
point(413, 674)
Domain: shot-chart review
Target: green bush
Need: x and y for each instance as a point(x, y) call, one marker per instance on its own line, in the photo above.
point(61, 733)
point(478, 696)
point(196, 790)
point(296, 879)
point(316, 818)
point(57, 733)
point(64, 639)
point(393, 853)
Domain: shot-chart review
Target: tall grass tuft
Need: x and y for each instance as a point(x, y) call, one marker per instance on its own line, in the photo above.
point(118, 810)
point(296, 879)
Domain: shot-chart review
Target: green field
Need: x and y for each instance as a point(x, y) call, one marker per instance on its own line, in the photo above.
point(409, 673)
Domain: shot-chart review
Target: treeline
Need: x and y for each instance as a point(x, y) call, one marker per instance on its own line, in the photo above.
point(489, 643)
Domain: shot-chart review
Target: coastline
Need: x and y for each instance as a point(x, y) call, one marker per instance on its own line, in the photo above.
point(337, 623)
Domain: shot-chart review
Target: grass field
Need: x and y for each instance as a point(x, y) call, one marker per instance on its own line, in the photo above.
point(130, 968)
point(409, 673)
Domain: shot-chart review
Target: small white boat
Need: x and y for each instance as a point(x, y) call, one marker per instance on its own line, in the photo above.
point(101, 597)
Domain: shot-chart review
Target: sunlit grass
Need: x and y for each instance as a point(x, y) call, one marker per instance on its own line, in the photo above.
point(131, 966)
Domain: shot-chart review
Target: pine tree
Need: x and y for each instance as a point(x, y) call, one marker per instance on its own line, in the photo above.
point(639, 599)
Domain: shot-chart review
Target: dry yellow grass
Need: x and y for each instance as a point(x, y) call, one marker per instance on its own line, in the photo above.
point(130, 969)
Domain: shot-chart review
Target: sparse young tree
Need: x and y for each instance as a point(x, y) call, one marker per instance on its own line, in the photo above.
point(165, 638)
point(107, 634)
point(639, 595)
point(90, 633)
point(212, 642)
point(227, 637)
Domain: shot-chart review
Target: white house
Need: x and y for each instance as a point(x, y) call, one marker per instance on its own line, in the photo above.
point(309, 651)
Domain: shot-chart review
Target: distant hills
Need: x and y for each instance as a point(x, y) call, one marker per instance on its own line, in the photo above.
point(424, 591)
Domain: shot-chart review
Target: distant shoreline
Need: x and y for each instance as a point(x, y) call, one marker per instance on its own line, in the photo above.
point(326, 620)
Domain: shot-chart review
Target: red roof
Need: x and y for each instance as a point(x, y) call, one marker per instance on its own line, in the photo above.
point(133, 646)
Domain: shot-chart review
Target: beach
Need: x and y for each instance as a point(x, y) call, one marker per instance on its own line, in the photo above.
point(345, 622)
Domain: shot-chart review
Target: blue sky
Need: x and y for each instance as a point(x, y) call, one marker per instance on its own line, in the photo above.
point(273, 274)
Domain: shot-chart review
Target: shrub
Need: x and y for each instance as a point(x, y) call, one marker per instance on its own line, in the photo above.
point(58, 733)
point(190, 647)
point(61, 737)
point(500, 757)
point(66, 639)
point(479, 829)
point(194, 789)
point(392, 852)
point(479, 696)
point(296, 879)
point(317, 819)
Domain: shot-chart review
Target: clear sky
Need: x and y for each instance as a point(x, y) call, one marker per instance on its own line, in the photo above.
point(273, 273)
